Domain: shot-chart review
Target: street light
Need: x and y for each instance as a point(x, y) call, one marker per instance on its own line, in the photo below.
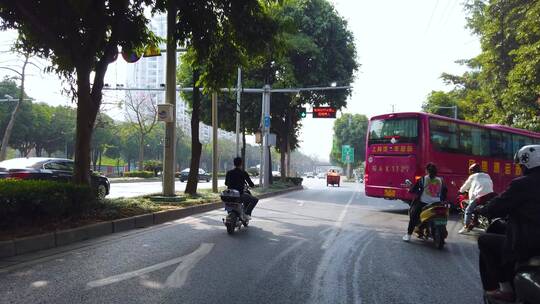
point(450, 107)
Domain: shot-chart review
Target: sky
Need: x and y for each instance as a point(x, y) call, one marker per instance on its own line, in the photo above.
point(402, 48)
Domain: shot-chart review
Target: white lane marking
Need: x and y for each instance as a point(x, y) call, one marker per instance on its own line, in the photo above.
point(301, 203)
point(337, 225)
point(178, 278)
point(188, 260)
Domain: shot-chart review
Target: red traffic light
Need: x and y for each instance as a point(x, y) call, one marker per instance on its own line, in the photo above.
point(324, 112)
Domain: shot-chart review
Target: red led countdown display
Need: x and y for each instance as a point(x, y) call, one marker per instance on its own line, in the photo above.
point(324, 112)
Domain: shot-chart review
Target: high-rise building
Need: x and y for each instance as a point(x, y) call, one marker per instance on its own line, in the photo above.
point(150, 73)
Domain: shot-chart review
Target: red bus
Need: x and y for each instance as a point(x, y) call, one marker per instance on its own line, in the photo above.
point(399, 145)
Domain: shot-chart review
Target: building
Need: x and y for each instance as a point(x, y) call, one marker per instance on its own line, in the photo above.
point(150, 73)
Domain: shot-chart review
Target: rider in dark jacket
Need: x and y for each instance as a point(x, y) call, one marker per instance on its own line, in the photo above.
point(520, 204)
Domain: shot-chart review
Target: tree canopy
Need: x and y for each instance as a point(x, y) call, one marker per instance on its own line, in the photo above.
point(503, 83)
point(350, 129)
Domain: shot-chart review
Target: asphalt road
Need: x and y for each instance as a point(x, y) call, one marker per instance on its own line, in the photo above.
point(142, 188)
point(319, 245)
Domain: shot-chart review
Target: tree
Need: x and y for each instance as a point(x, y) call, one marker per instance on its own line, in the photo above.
point(81, 39)
point(509, 64)
point(312, 47)
point(350, 130)
point(9, 128)
point(441, 103)
point(141, 110)
point(214, 30)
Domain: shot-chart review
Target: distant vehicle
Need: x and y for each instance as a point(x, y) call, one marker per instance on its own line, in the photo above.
point(321, 175)
point(55, 169)
point(276, 173)
point(203, 176)
point(310, 175)
point(399, 145)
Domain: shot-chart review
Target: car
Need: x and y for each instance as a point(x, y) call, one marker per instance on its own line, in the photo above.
point(55, 169)
point(276, 174)
point(203, 176)
point(321, 175)
point(310, 175)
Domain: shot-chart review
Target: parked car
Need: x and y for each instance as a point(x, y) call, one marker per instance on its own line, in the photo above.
point(56, 169)
point(276, 173)
point(203, 176)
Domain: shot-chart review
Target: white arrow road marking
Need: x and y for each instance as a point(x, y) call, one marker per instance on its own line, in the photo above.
point(179, 276)
point(301, 203)
point(176, 279)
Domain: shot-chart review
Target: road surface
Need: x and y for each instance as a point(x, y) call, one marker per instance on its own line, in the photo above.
point(319, 245)
point(142, 188)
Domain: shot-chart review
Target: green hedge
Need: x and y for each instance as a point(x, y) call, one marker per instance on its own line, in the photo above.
point(294, 180)
point(29, 200)
point(143, 174)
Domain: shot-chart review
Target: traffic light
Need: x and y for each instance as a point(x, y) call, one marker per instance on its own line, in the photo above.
point(303, 113)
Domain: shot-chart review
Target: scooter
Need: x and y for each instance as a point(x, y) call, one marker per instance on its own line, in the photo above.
point(433, 220)
point(479, 221)
point(236, 216)
point(527, 275)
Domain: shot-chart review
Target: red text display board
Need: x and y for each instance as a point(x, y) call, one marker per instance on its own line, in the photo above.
point(324, 112)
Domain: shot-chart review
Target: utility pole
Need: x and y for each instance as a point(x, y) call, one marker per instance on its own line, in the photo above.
point(266, 130)
point(215, 163)
point(238, 93)
point(170, 96)
point(350, 144)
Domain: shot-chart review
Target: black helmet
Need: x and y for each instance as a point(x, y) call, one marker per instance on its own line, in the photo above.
point(475, 168)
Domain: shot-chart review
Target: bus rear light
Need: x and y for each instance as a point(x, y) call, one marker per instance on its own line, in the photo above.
point(365, 178)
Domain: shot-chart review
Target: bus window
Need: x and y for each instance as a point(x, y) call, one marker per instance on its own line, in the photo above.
point(465, 139)
point(500, 144)
point(480, 141)
point(519, 141)
point(404, 130)
point(444, 135)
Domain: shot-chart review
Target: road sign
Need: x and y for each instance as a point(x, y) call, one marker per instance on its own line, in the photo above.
point(347, 154)
point(324, 112)
point(267, 121)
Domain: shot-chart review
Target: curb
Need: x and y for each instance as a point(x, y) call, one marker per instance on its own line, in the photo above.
point(68, 236)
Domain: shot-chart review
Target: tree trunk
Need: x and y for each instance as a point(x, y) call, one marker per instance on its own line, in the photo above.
point(11, 123)
point(87, 110)
point(141, 153)
point(283, 154)
point(99, 162)
point(196, 147)
point(243, 150)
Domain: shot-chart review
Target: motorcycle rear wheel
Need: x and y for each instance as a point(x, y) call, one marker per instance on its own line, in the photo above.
point(438, 237)
point(230, 228)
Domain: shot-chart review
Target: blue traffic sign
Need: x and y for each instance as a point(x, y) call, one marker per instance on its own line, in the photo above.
point(267, 121)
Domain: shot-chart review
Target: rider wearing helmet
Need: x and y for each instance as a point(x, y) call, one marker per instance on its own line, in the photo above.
point(520, 203)
point(477, 185)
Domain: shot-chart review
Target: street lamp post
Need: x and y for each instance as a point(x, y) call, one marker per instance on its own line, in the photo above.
point(449, 107)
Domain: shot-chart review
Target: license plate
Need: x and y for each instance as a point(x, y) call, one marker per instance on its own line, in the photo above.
point(440, 222)
point(389, 193)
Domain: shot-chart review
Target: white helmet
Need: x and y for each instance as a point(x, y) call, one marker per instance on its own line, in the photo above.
point(528, 156)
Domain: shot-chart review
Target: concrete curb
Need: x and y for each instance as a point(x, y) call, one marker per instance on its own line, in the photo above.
point(64, 237)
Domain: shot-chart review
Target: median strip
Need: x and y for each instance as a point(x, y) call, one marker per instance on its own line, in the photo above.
point(162, 213)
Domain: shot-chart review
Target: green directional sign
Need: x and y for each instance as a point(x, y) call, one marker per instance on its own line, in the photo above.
point(347, 154)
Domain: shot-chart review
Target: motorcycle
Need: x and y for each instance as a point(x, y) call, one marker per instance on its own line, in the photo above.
point(526, 278)
point(477, 220)
point(433, 220)
point(236, 216)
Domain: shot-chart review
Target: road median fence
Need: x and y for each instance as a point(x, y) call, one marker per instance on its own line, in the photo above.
point(124, 215)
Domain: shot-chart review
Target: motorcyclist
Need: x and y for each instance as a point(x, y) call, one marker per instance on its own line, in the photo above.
point(428, 189)
point(477, 185)
point(520, 203)
point(237, 179)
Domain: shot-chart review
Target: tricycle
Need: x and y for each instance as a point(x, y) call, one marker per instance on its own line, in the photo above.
point(332, 178)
